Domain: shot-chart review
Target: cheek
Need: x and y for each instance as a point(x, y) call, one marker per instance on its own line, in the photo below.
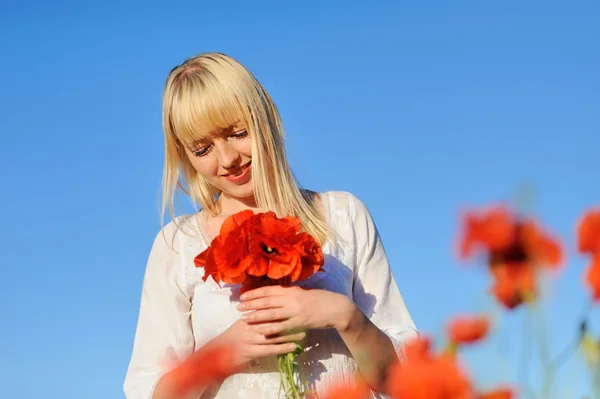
point(206, 166)
point(244, 147)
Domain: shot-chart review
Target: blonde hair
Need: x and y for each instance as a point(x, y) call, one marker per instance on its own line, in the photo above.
point(213, 91)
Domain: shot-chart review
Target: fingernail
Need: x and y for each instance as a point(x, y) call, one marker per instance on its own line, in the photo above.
point(243, 297)
point(241, 306)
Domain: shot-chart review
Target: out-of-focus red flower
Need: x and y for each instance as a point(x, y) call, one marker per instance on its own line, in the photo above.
point(357, 390)
point(488, 231)
point(588, 233)
point(513, 284)
point(541, 249)
point(592, 278)
point(424, 375)
point(515, 250)
point(468, 329)
point(503, 393)
point(208, 365)
point(588, 242)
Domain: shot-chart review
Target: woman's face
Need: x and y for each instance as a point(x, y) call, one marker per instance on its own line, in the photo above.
point(224, 159)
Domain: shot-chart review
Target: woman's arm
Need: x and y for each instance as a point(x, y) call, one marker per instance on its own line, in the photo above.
point(166, 387)
point(164, 334)
point(372, 349)
point(382, 312)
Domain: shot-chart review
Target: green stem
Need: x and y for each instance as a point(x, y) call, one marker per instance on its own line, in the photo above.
point(288, 369)
point(596, 379)
point(526, 354)
point(571, 348)
point(544, 354)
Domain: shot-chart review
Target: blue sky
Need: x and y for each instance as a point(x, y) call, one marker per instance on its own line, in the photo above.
point(417, 108)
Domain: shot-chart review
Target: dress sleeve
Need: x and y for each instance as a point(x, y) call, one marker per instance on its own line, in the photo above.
point(375, 290)
point(164, 333)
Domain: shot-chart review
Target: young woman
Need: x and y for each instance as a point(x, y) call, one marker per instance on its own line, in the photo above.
point(225, 149)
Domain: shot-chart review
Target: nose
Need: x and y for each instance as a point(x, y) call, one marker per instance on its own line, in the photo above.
point(228, 156)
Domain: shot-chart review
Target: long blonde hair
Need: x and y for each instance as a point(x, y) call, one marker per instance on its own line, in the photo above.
point(213, 91)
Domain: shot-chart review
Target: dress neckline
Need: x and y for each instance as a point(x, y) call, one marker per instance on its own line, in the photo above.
point(201, 227)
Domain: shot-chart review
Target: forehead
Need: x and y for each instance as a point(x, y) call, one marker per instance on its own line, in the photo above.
point(218, 131)
point(199, 115)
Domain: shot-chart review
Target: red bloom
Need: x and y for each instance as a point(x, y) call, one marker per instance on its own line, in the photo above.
point(490, 231)
point(206, 366)
point(226, 258)
point(588, 242)
point(503, 393)
point(466, 330)
point(540, 248)
point(513, 284)
point(273, 245)
point(423, 375)
point(592, 278)
point(260, 249)
point(515, 248)
point(588, 233)
point(353, 391)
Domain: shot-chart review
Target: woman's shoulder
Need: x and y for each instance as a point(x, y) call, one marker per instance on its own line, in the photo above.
point(178, 231)
point(343, 202)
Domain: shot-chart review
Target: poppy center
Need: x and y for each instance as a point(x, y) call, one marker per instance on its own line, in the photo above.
point(269, 250)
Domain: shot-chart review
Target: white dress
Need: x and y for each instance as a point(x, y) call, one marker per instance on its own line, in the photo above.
point(179, 312)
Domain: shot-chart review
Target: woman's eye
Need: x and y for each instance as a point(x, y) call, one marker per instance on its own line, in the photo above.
point(202, 151)
point(240, 135)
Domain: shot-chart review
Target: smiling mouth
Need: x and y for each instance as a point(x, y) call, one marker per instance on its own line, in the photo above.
point(238, 172)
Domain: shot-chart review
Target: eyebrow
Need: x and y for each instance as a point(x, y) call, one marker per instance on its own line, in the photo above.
point(237, 125)
point(195, 145)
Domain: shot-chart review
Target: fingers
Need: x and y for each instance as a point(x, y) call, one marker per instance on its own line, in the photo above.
point(281, 328)
point(278, 339)
point(262, 303)
point(274, 349)
point(272, 290)
point(273, 333)
point(267, 315)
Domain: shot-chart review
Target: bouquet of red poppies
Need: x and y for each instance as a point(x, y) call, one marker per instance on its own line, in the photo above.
point(257, 250)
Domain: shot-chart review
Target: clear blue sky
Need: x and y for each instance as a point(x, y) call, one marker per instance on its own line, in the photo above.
point(418, 109)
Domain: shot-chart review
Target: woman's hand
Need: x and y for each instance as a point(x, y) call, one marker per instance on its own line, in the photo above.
point(283, 309)
point(250, 344)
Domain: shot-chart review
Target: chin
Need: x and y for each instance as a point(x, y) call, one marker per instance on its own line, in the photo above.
point(242, 192)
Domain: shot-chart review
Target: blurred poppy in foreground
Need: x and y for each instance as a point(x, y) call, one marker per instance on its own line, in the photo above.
point(425, 375)
point(358, 390)
point(209, 364)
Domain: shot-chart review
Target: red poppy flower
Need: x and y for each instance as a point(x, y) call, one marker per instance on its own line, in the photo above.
point(539, 246)
point(260, 249)
point(588, 233)
point(513, 284)
point(515, 248)
point(490, 231)
point(503, 393)
point(349, 391)
point(208, 365)
point(466, 330)
point(311, 257)
point(592, 278)
point(423, 375)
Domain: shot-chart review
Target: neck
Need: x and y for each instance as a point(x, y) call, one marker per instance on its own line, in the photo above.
point(230, 205)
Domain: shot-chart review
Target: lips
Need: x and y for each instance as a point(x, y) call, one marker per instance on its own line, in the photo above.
point(239, 173)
